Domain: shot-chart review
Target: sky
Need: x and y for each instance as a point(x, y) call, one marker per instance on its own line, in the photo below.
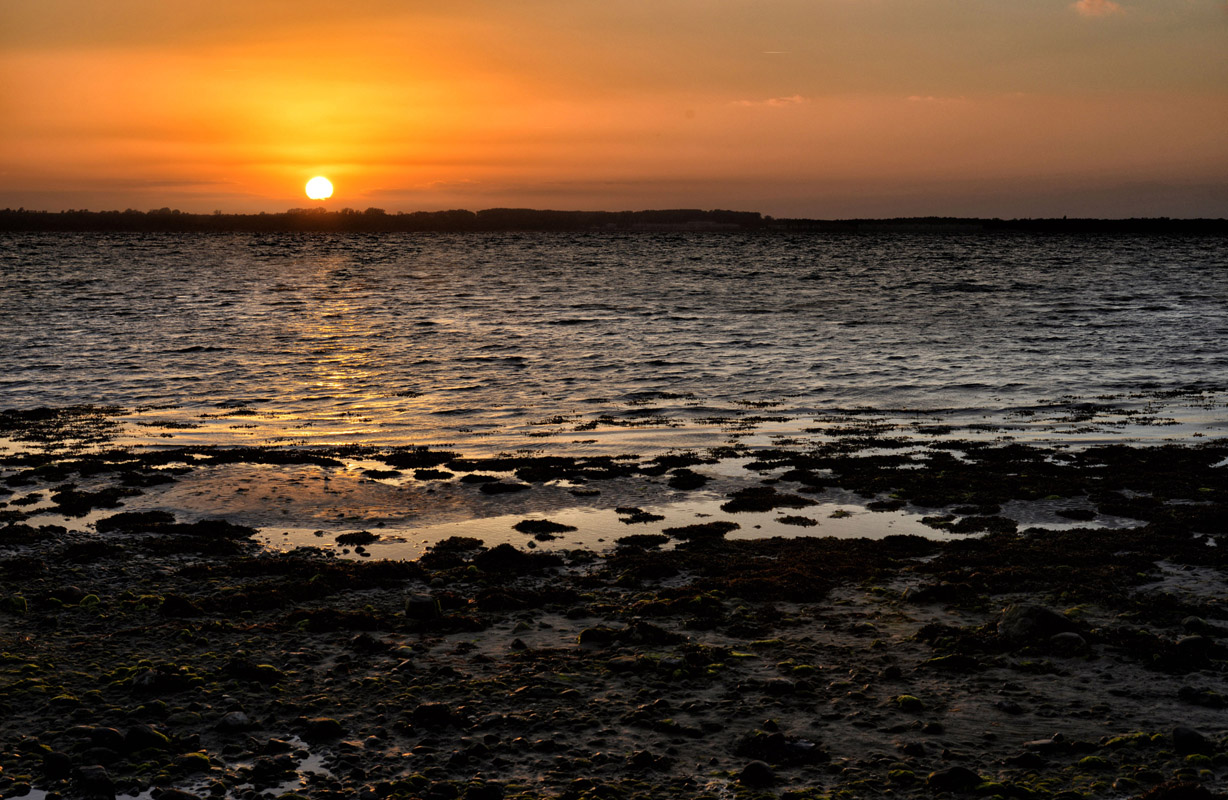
point(814, 108)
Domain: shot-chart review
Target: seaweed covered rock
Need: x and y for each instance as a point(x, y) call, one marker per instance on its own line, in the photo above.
point(506, 558)
point(763, 498)
point(1025, 623)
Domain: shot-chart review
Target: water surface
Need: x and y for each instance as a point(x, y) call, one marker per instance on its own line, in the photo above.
point(613, 342)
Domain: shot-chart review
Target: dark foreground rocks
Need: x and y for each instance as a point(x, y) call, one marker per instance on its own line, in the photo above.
point(805, 668)
point(174, 659)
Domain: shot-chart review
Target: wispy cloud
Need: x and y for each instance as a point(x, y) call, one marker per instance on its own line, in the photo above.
point(1097, 8)
point(773, 102)
point(929, 98)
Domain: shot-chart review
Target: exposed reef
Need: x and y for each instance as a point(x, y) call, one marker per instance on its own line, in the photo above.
point(151, 652)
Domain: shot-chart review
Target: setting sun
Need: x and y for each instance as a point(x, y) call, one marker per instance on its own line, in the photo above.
point(319, 188)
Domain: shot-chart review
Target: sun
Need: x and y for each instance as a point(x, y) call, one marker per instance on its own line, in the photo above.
point(319, 188)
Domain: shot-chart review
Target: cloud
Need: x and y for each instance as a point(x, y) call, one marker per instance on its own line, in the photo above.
point(1097, 8)
point(774, 102)
point(929, 98)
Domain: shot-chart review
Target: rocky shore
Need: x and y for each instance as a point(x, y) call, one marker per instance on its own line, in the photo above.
point(156, 657)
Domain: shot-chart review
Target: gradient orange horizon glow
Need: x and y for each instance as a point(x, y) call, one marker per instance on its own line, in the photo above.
point(823, 108)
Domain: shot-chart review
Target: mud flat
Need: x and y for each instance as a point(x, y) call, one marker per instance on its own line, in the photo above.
point(154, 654)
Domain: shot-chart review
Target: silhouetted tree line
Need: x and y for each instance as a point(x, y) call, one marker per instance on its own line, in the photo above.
point(1149, 225)
point(376, 220)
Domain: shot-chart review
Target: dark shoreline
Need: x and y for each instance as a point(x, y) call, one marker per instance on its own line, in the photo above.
point(375, 220)
point(1082, 663)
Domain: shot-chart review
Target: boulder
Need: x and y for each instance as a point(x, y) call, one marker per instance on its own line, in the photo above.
point(757, 775)
point(1188, 741)
point(1024, 623)
point(954, 779)
point(1067, 643)
point(95, 781)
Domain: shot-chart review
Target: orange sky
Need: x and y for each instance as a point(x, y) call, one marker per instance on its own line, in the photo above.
point(825, 108)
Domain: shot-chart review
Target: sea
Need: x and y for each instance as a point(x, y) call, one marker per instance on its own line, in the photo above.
point(615, 343)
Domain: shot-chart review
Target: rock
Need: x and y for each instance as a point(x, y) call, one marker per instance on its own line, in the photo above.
point(174, 794)
point(1026, 760)
point(772, 746)
point(95, 781)
point(422, 607)
point(247, 670)
point(432, 715)
point(56, 765)
point(1201, 697)
point(99, 755)
point(366, 643)
point(1021, 623)
point(1068, 643)
point(174, 605)
point(957, 662)
point(1056, 743)
point(145, 737)
point(1188, 741)
point(322, 729)
point(647, 541)
point(703, 530)
point(498, 487)
point(235, 721)
point(270, 769)
point(505, 558)
point(909, 703)
point(1201, 626)
point(538, 526)
point(686, 479)
point(1009, 707)
point(106, 737)
point(757, 775)
point(597, 637)
point(1193, 649)
point(644, 760)
point(1179, 790)
point(357, 538)
point(160, 682)
point(623, 664)
point(490, 790)
point(954, 779)
point(191, 763)
point(763, 498)
point(69, 595)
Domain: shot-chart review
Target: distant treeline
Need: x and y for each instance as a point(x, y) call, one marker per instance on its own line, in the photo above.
point(376, 220)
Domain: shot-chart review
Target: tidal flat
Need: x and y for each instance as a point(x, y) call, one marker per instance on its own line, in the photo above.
point(1059, 631)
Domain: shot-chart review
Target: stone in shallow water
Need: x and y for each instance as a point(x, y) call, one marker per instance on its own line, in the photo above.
point(500, 487)
point(536, 526)
point(763, 498)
